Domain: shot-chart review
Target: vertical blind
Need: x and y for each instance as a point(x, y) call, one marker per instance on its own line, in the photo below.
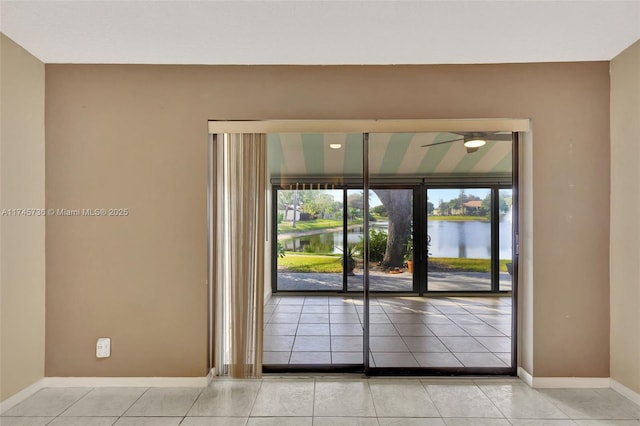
point(238, 197)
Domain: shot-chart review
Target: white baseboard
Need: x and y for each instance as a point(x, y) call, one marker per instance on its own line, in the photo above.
point(25, 393)
point(143, 382)
point(571, 382)
point(525, 376)
point(625, 391)
point(563, 382)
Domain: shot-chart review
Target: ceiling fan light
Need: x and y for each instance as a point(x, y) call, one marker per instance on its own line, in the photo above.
point(474, 142)
point(335, 145)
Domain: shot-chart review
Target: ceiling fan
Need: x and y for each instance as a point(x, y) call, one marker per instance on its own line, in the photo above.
point(474, 140)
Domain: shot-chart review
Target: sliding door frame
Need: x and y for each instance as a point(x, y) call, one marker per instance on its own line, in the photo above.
point(385, 126)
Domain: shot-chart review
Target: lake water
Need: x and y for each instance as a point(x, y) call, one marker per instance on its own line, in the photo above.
point(471, 239)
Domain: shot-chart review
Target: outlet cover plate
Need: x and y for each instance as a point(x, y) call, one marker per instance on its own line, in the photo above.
point(103, 347)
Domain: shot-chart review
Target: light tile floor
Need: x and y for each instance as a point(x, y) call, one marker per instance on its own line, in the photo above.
point(405, 331)
point(346, 400)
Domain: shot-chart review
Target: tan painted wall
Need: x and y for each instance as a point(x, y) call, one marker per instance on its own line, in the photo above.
point(625, 211)
point(135, 137)
point(22, 246)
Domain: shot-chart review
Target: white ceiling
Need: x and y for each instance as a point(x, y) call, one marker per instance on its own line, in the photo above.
point(320, 31)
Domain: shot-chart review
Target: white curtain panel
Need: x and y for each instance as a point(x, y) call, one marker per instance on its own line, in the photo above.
point(239, 227)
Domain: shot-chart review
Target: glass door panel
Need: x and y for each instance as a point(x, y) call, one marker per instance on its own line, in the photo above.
point(311, 324)
point(505, 206)
point(310, 234)
point(459, 239)
point(353, 251)
point(391, 240)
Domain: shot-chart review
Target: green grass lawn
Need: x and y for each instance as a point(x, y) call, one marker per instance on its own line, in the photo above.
point(298, 262)
point(309, 225)
point(460, 218)
point(467, 265)
point(332, 263)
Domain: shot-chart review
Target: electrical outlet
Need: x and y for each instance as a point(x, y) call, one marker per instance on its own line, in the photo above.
point(103, 347)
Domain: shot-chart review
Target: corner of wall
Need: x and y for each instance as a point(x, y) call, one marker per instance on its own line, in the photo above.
point(22, 227)
point(624, 274)
point(525, 266)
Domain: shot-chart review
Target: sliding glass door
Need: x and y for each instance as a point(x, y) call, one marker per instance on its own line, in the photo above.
point(391, 239)
point(310, 238)
point(469, 235)
point(315, 315)
point(401, 263)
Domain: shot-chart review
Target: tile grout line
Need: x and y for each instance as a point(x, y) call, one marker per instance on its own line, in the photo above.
point(426, 389)
point(255, 398)
point(134, 402)
point(73, 403)
point(194, 403)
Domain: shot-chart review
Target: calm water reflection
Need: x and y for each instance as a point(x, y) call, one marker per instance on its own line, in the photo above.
point(470, 239)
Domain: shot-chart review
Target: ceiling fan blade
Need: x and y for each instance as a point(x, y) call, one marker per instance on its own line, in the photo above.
point(443, 142)
point(489, 136)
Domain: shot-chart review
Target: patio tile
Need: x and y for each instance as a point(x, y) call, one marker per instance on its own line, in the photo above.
point(315, 309)
point(447, 330)
point(495, 344)
point(346, 357)
point(269, 357)
point(308, 357)
point(384, 330)
point(387, 344)
point(288, 309)
point(425, 344)
point(292, 300)
point(437, 359)
point(481, 330)
point(278, 343)
point(345, 318)
point(406, 318)
point(346, 344)
point(288, 318)
point(379, 319)
point(316, 300)
point(314, 318)
point(313, 330)
point(311, 344)
point(281, 329)
point(394, 359)
point(480, 360)
point(346, 329)
point(342, 309)
point(463, 344)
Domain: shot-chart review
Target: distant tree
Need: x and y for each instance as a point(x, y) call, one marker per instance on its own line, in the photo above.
point(356, 200)
point(504, 202)
point(322, 204)
point(442, 207)
point(430, 207)
point(380, 210)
